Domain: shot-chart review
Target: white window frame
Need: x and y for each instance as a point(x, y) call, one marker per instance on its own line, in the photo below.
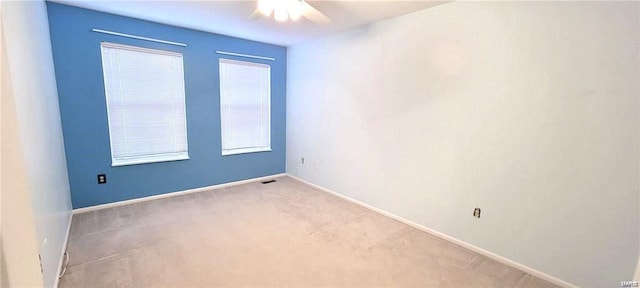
point(144, 159)
point(235, 151)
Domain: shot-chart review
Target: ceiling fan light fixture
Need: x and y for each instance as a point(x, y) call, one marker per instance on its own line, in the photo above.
point(266, 6)
point(295, 9)
point(282, 10)
point(281, 14)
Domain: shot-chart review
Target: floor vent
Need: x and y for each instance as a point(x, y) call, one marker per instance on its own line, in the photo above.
point(268, 182)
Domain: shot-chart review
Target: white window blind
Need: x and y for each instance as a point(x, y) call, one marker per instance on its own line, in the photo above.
point(245, 104)
point(145, 104)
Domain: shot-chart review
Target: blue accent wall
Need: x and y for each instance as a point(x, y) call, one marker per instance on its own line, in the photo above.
point(78, 67)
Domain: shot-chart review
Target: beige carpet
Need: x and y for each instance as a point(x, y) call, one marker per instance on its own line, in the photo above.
point(283, 234)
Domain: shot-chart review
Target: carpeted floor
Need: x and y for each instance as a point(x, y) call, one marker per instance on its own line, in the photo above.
point(283, 234)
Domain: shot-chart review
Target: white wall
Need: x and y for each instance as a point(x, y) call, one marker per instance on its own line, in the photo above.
point(42, 180)
point(528, 110)
point(20, 251)
point(3, 269)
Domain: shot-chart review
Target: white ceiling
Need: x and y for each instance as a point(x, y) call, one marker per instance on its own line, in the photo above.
point(232, 17)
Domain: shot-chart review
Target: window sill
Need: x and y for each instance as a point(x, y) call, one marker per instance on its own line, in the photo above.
point(147, 160)
point(245, 151)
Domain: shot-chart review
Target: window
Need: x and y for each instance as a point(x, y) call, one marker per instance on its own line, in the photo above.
point(245, 106)
point(145, 104)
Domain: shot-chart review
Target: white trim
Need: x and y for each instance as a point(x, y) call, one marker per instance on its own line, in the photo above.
point(245, 55)
point(115, 162)
point(452, 239)
point(172, 194)
point(236, 151)
point(139, 37)
point(64, 250)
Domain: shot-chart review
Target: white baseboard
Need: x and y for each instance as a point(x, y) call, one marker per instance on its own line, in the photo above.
point(454, 240)
point(64, 250)
point(173, 194)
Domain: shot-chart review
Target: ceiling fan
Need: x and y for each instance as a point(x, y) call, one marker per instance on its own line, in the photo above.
point(284, 10)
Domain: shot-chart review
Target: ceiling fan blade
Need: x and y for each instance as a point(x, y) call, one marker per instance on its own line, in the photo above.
point(313, 14)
